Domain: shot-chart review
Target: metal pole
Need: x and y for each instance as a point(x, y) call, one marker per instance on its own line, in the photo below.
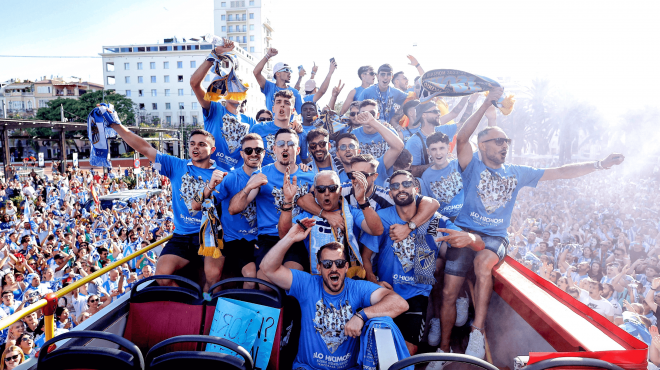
point(5, 149)
point(63, 150)
point(61, 113)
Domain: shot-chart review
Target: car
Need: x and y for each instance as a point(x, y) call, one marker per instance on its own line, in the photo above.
point(123, 196)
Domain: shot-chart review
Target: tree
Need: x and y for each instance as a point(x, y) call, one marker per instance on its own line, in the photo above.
point(78, 110)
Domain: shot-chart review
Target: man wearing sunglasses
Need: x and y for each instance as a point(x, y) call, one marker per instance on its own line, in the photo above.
point(264, 115)
point(334, 308)
point(319, 144)
point(282, 75)
point(490, 190)
point(367, 77)
point(266, 187)
point(225, 123)
point(389, 98)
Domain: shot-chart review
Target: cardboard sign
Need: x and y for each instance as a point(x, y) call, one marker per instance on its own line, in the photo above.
point(235, 323)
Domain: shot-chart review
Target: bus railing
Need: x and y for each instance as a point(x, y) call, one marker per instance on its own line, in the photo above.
point(49, 303)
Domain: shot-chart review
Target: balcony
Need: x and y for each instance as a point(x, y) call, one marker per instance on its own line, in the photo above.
point(268, 25)
point(237, 31)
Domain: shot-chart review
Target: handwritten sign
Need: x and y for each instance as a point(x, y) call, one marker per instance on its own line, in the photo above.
point(263, 344)
point(235, 323)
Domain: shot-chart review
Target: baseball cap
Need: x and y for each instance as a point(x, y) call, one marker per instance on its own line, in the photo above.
point(310, 85)
point(279, 67)
point(385, 68)
point(423, 108)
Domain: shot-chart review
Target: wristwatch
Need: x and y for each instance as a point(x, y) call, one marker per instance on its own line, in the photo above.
point(412, 225)
point(365, 205)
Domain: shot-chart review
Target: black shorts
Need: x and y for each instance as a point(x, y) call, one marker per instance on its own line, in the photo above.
point(238, 253)
point(296, 253)
point(184, 246)
point(411, 322)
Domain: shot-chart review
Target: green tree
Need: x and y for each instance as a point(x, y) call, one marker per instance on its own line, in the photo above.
point(78, 110)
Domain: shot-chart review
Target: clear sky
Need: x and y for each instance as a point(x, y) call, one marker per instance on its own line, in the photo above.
point(604, 52)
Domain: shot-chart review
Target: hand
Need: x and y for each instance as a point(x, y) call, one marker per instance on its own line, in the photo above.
point(385, 285)
point(360, 186)
point(494, 95)
point(491, 114)
point(413, 60)
point(304, 168)
point(399, 232)
point(473, 98)
point(228, 45)
point(457, 239)
point(302, 72)
point(296, 126)
point(365, 118)
point(216, 178)
point(333, 66)
point(335, 220)
point(354, 326)
point(613, 159)
point(337, 90)
point(656, 339)
point(272, 52)
point(296, 233)
point(655, 284)
point(316, 68)
point(290, 186)
point(256, 181)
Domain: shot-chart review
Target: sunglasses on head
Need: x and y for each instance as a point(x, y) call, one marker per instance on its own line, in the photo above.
point(327, 264)
point(280, 143)
point(256, 150)
point(264, 119)
point(344, 147)
point(396, 185)
point(321, 188)
point(12, 358)
point(320, 144)
point(366, 174)
point(499, 141)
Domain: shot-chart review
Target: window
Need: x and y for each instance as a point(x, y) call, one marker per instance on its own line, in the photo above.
point(128, 93)
point(141, 105)
point(193, 105)
point(152, 65)
point(193, 64)
point(244, 39)
point(153, 92)
point(167, 92)
point(127, 66)
point(223, 4)
point(224, 29)
point(251, 37)
point(182, 120)
point(168, 119)
point(231, 38)
point(180, 92)
point(127, 79)
point(194, 120)
point(166, 65)
point(251, 14)
point(111, 80)
point(243, 17)
point(168, 106)
point(222, 17)
point(154, 106)
point(43, 89)
point(231, 17)
point(181, 106)
point(252, 27)
point(110, 67)
point(140, 94)
point(180, 78)
point(139, 65)
point(43, 103)
point(166, 78)
point(207, 78)
point(231, 28)
point(153, 79)
point(251, 2)
point(243, 28)
point(140, 79)
point(251, 49)
point(179, 65)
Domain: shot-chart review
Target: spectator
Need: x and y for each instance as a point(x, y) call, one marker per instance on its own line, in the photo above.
point(12, 357)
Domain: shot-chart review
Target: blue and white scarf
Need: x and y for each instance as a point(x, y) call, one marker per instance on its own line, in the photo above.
point(368, 355)
point(99, 131)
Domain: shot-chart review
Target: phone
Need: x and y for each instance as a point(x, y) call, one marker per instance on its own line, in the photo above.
point(301, 225)
point(300, 68)
point(332, 60)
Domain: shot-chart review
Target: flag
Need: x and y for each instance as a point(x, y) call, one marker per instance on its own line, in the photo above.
point(92, 190)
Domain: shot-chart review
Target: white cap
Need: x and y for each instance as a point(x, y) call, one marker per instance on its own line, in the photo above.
point(281, 66)
point(310, 85)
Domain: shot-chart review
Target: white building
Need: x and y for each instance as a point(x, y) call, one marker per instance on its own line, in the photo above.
point(157, 78)
point(247, 23)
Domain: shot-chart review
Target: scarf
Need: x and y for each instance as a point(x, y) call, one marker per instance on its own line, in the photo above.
point(368, 355)
point(451, 82)
point(226, 84)
point(333, 165)
point(317, 239)
point(386, 105)
point(424, 263)
point(210, 233)
point(99, 131)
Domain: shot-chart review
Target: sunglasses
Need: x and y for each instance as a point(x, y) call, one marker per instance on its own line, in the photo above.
point(264, 119)
point(385, 73)
point(327, 264)
point(26, 339)
point(321, 189)
point(94, 300)
point(396, 185)
point(286, 70)
point(256, 150)
point(353, 114)
point(366, 174)
point(371, 73)
point(499, 141)
point(435, 111)
point(344, 147)
point(280, 143)
point(12, 358)
point(320, 144)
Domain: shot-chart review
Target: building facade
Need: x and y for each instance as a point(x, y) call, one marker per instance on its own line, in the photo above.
point(157, 78)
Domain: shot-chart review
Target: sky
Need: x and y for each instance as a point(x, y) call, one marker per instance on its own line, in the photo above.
point(601, 52)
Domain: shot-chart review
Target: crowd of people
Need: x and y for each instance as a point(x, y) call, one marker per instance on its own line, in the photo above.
point(382, 213)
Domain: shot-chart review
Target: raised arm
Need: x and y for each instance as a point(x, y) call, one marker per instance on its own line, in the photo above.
point(335, 93)
point(655, 284)
point(395, 143)
point(136, 142)
point(216, 179)
point(347, 102)
point(197, 77)
point(301, 73)
point(468, 109)
point(415, 63)
point(463, 146)
point(326, 83)
point(454, 112)
point(272, 266)
point(371, 224)
point(260, 66)
point(241, 200)
point(289, 191)
point(570, 171)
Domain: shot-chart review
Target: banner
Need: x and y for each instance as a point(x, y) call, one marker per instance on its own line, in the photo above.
point(41, 159)
point(452, 82)
point(75, 159)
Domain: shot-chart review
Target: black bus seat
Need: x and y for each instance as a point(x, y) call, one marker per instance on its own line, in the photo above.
point(198, 359)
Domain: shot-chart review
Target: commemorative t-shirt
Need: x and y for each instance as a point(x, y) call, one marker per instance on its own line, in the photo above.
point(228, 130)
point(244, 224)
point(446, 186)
point(373, 144)
point(489, 195)
point(416, 147)
point(270, 89)
point(388, 101)
point(270, 197)
point(396, 260)
point(323, 340)
point(187, 181)
point(267, 131)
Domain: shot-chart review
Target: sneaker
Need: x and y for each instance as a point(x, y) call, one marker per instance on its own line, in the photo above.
point(438, 365)
point(476, 346)
point(434, 332)
point(462, 305)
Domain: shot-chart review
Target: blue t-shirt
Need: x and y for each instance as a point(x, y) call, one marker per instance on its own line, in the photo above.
point(416, 148)
point(358, 93)
point(309, 98)
point(187, 180)
point(270, 89)
point(446, 186)
point(373, 144)
point(228, 130)
point(270, 197)
point(244, 224)
point(388, 101)
point(396, 260)
point(323, 342)
point(267, 131)
point(489, 195)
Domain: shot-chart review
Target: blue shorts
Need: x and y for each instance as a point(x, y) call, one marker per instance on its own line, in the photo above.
point(460, 260)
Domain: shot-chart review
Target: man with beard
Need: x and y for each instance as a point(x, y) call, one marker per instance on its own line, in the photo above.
point(240, 230)
point(266, 186)
point(327, 195)
point(282, 74)
point(284, 102)
point(389, 98)
point(327, 300)
point(367, 77)
point(226, 123)
point(188, 177)
point(319, 144)
point(374, 140)
point(407, 266)
point(443, 180)
point(488, 218)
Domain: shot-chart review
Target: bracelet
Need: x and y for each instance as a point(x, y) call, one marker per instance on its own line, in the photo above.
point(417, 66)
point(207, 186)
point(320, 213)
point(283, 209)
point(362, 315)
point(291, 203)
